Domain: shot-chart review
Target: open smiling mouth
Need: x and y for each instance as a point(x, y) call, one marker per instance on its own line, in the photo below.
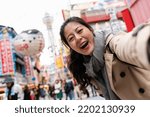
point(84, 44)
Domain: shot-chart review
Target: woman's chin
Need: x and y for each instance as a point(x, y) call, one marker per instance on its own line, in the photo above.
point(88, 50)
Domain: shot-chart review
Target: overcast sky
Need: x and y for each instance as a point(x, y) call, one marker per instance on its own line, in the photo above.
point(25, 14)
point(28, 14)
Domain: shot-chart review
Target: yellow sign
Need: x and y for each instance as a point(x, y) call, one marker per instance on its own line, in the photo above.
point(59, 61)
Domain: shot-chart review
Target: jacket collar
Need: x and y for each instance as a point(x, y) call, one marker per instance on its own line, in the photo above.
point(108, 39)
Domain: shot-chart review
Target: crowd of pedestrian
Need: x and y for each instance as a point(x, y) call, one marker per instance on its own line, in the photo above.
point(66, 89)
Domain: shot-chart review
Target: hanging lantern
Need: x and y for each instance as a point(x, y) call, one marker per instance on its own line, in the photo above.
point(29, 42)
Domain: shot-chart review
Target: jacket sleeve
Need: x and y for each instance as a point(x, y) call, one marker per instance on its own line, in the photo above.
point(132, 47)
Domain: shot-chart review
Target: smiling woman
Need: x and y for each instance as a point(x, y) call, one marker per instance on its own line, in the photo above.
point(112, 63)
point(79, 38)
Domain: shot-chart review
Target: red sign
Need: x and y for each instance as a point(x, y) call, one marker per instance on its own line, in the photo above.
point(28, 66)
point(7, 64)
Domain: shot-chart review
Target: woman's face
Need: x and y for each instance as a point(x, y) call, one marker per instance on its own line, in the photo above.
point(79, 38)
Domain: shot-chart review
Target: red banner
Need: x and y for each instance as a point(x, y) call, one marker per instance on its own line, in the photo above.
point(28, 66)
point(7, 64)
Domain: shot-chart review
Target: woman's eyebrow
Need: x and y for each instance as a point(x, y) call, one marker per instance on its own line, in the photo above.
point(69, 35)
point(77, 28)
point(75, 31)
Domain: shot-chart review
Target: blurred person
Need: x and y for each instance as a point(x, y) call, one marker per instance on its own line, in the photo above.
point(65, 69)
point(77, 89)
point(46, 88)
point(94, 93)
point(32, 94)
point(27, 93)
point(116, 64)
point(58, 89)
point(69, 88)
point(41, 91)
point(12, 91)
point(51, 91)
point(36, 92)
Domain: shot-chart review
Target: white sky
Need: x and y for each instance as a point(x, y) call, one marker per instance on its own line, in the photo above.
point(28, 14)
point(25, 14)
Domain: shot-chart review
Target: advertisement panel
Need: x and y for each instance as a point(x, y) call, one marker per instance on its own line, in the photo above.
point(6, 58)
point(7, 66)
point(59, 61)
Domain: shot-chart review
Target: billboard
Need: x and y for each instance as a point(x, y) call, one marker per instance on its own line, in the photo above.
point(6, 53)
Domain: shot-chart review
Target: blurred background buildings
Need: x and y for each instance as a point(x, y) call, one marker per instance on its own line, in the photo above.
point(114, 15)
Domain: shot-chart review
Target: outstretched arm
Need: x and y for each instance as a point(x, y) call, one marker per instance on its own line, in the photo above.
point(133, 47)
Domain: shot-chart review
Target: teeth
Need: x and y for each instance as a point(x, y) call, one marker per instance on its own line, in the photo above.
point(84, 44)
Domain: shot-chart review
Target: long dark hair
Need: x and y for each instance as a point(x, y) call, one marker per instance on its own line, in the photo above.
point(77, 68)
point(76, 65)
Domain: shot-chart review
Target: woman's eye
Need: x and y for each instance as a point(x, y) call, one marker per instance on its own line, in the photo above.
point(70, 39)
point(79, 31)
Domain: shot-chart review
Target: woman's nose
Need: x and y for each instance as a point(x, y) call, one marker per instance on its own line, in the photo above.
point(78, 37)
